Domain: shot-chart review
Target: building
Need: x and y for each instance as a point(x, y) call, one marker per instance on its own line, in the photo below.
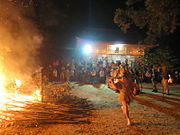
point(112, 51)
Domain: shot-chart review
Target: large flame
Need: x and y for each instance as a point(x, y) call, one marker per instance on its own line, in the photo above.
point(19, 43)
point(13, 99)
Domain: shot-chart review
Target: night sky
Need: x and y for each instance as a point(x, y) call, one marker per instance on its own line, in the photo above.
point(74, 16)
point(61, 21)
point(64, 20)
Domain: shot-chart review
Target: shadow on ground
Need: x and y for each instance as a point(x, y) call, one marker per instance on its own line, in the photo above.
point(152, 124)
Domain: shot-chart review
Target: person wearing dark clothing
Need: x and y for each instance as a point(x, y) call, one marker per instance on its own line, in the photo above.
point(176, 77)
point(155, 79)
point(148, 76)
point(102, 76)
point(135, 75)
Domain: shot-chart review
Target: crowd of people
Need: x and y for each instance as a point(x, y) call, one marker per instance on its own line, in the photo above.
point(100, 70)
point(82, 71)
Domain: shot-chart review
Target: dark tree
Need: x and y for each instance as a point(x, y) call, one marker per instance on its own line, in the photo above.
point(156, 17)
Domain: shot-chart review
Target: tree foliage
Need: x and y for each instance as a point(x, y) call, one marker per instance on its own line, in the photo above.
point(158, 57)
point(156, 17)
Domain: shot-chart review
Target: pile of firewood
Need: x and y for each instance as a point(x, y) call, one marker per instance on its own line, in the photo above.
point(55, 92)
point(70, 109)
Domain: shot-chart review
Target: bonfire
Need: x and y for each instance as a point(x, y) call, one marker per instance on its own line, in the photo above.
point(14, 95)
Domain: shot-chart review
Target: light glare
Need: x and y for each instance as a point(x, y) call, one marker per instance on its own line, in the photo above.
point(87, 49)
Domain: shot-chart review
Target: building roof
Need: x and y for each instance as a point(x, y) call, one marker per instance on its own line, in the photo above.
point(110, 35)
point(107, 47)
point(103, 44)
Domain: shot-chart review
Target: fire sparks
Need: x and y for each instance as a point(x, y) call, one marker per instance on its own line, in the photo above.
point(38, 94)
point(18, 83)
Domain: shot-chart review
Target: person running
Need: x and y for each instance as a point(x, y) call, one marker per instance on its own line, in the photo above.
point(126, 86)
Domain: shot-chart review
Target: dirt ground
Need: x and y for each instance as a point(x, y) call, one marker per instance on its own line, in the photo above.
point(95, 110)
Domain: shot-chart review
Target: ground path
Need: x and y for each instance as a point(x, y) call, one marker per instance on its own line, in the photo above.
point(152, 113)
point(99, 113)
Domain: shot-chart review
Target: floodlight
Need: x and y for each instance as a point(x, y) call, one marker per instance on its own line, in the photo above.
point(87, 49)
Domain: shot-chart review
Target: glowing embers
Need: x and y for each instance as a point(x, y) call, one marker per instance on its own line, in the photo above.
point(38, 95)
point(13, 99)
point(18, 83)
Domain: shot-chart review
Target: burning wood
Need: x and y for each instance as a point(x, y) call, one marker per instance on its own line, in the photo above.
point(13, 99)
point(33, 114)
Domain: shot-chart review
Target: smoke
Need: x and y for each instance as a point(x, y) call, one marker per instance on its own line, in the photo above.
point(19, 40)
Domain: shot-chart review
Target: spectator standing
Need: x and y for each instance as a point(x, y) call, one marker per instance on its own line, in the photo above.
point(176, 77)
point(154, 78)
point(148, 76)
point(62, 74)
point(136, 79)
point(93, 76)
point(102, 76)
point(164, 81)
point(66, 75)
point(48, 72)
point(55, 74)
